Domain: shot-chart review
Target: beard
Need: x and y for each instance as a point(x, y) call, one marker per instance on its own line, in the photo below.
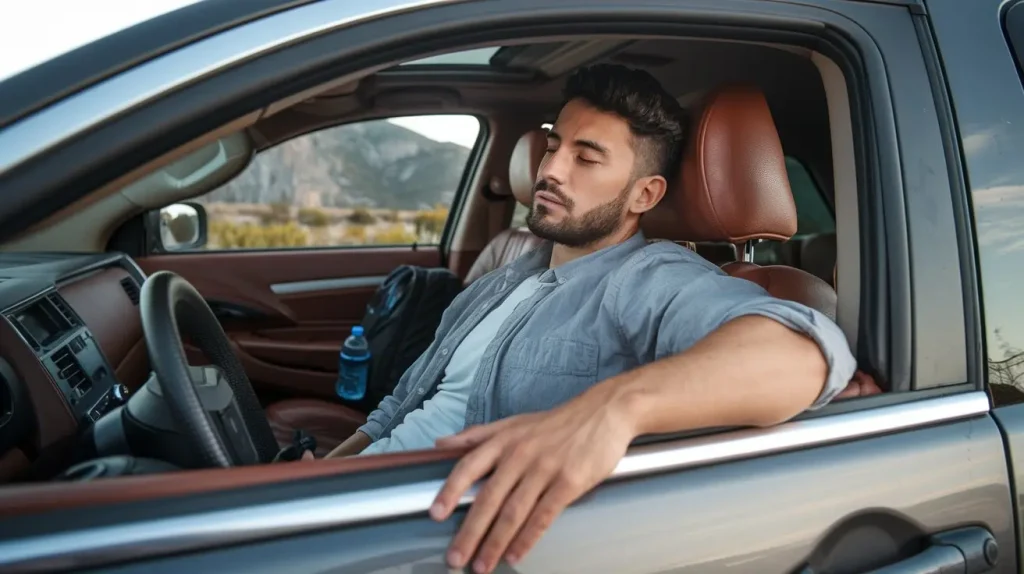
point(576, 232)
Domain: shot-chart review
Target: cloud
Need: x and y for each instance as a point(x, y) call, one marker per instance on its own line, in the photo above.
point(999, 217)
point(1000, 195)
point(977, 142)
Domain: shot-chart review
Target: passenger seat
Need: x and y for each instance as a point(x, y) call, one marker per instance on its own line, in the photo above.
point(331, 423)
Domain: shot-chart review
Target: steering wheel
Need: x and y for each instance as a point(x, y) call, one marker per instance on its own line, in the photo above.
point(214, 407)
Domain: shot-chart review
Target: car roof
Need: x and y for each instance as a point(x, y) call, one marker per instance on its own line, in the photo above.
point(56, 67)
point(33, 35)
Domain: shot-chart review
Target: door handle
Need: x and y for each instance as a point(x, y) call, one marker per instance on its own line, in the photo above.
point(965, 550)
point(233, 311)
point(971, 550)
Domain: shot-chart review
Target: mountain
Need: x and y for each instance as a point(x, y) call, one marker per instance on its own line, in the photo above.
point(374, 164)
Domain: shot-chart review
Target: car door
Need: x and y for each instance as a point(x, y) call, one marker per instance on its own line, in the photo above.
point(989, 104)
point(915, 478)
point(291, 249)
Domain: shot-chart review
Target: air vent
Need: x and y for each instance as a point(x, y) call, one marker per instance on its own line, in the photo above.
point(25, 334)
point(70, 371)
point(131, 289)
point(62, 307)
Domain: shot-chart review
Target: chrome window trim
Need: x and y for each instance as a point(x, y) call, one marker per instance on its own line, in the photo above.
point(62, 120)
point(296, 287)
point(148, 538)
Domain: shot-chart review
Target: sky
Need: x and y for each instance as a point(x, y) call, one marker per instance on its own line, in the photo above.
point(36, 31)
point(33, 32)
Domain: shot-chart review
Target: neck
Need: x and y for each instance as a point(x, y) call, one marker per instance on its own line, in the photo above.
point(562, 254)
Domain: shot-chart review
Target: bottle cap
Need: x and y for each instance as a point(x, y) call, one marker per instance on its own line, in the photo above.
point(357, 330)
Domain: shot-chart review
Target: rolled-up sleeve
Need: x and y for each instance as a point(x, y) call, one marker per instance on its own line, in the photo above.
point(685, 299)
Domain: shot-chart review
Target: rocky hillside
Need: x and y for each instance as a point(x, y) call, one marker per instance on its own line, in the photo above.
point(374, 164)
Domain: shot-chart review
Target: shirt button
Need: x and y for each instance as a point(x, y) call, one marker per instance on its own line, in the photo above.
point(444, 351)
point(421, 391)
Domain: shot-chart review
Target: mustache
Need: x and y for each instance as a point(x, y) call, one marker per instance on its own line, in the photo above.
point(553, 189)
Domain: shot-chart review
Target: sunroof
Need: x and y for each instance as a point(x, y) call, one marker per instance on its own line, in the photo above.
point(475, 57)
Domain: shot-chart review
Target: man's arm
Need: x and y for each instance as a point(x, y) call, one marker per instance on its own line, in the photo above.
point(751, 371)
point(354, 444)
point(749, 359)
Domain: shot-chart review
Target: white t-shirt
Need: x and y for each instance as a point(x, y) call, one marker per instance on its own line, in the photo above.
point(445, 413)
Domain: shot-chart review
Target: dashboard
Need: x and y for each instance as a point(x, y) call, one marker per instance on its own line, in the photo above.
point(71, 350)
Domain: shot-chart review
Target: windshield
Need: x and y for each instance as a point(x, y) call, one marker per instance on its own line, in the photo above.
point(34, 32)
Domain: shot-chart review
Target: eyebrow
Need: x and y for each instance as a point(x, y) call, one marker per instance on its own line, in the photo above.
point(591, 144)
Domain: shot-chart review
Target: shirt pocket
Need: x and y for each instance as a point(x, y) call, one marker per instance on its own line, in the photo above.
point(541, 374)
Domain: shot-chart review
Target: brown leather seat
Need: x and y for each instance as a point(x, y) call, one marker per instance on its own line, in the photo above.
point(734, 188)
point(508, 245)
point(331, 423)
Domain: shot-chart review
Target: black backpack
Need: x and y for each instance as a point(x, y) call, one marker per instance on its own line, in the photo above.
point(400, 323)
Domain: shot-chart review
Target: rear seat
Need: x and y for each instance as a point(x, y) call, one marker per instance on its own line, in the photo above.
point(818, 256)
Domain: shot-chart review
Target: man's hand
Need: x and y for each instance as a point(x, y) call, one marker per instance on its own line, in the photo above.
point(542, 463)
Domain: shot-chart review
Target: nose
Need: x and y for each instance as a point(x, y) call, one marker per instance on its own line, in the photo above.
point(555, 166)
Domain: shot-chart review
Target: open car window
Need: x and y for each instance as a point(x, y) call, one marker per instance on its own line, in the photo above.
point(378, 182)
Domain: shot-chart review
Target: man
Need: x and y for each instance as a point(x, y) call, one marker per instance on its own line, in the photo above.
point(559, 360)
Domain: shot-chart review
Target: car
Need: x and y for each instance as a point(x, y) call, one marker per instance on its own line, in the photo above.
point(228, 183)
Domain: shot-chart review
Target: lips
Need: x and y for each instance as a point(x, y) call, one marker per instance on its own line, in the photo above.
point(549, 198)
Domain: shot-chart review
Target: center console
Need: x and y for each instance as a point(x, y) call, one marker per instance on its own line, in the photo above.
point(70, 353)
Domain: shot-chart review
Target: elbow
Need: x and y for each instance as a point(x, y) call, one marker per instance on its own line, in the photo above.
point(798, 376)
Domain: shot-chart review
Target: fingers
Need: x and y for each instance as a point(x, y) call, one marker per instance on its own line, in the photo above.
point(308, 455)
point(489, 501)
point(511, 517)
point(469, 469)
point(561, 494)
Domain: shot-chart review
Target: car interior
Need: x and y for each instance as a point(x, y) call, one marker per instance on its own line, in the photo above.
point(767, 191)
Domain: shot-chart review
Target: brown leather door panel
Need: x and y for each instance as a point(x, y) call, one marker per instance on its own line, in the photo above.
point(314, 355)
point(293, 308)
point(277, 380)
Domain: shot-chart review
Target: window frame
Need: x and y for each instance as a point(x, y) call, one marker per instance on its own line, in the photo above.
point(155, 246)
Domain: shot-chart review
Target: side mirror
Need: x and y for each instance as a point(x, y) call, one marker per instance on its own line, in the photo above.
point(183, 227)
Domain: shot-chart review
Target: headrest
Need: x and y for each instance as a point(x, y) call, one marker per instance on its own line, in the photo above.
point(522, 168)
point(733, 186)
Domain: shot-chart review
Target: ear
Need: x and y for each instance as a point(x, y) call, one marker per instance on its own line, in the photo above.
point(647, 192)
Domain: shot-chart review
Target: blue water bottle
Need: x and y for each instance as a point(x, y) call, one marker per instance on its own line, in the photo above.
point(353, 366)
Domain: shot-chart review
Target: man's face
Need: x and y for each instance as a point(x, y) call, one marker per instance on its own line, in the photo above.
point(585, 186)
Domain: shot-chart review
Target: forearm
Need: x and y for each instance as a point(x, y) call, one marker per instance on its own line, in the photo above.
point(354, 444)
point(752, 371)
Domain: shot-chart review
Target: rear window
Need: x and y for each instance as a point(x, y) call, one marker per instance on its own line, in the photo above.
point(812, 211)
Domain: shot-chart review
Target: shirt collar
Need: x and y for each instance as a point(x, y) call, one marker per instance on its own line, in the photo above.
point(537, 260)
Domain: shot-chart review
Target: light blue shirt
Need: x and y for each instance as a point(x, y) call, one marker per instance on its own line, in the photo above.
point(445, 413)
point(591, 319)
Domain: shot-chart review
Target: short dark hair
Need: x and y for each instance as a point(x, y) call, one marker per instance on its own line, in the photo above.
point(655, 118)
